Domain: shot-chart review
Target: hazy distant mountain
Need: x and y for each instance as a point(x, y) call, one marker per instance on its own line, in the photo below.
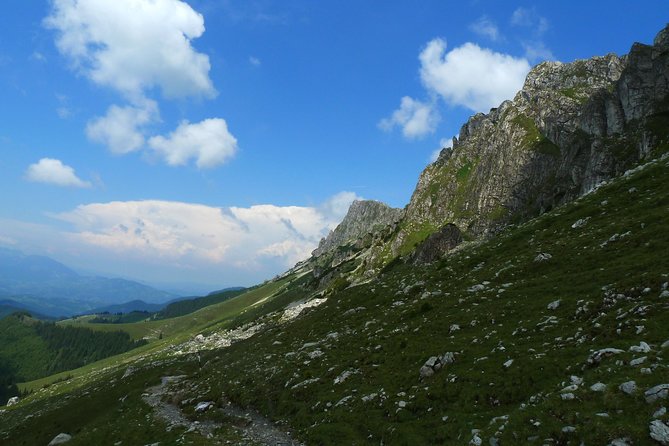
point(127, 307)
point(42, 283)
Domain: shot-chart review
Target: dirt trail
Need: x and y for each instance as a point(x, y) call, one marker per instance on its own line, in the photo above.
point(253, 427)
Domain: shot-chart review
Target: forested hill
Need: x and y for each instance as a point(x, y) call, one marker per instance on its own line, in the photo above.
point(30, 349)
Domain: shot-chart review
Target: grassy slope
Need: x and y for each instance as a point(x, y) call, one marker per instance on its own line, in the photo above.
point(405, 317)
point(189, 323)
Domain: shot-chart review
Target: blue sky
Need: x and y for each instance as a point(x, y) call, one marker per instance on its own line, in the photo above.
point(215, 142)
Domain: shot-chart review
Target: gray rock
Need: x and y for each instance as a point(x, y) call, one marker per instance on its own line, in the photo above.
point(542, 257)
point(628, 387)
point(659, 413)
point(658, 392)
point(621, 442)
point(567, 396)
point(554, 305)
point(638, 361)
point(426, 372)
point(448, 358)
point(12, 401)
point(641, 348)
point(568, 429)
point(204, 406)
point(60, 439)
point(665, 344)
point(508, 363)
point(598, 387)
point(659, 432)
point(596, 357)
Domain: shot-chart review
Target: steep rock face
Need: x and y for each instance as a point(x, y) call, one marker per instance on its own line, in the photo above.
point(437, 244)
point(363, 217)
point(571, 127)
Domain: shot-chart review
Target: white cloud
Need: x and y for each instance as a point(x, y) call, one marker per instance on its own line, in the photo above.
point(254, 61)
point(486, 28)
point(471, 76)
point(53, 171)
point(531, 19)
point(416, 118)
point(444, 143)
point(535, 48)
point(244, 238)
point(134, 45)
point(209, 142)
point(537, 51)
point(121, 129)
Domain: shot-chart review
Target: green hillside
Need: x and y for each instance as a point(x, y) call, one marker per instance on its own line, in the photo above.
point(30, 349)
point(520, 316)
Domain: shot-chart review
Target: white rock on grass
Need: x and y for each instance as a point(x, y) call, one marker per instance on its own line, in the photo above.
point(554, 305)
point(659, 392)
point(641, 348)
point(628, 387)
point(596, 357)
point(659, 432)
point(659, 413)
point(60, 439)
point(638, 361)
point(542, 257)
point(508, 363)
point(13, 400)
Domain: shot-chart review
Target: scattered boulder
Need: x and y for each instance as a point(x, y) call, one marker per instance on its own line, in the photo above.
point(13, 400)
point(554, 305)
point(596, 357)
point(542, 257)
point(659, 432)
point(621, 442)
point(641, 348)
point(508, 363)
point(204, 406)
point(659, 413)
point(435, 363)
point(628, 387)
point(656, 393)
point(598, 387)
point(60, 439)
point(638, 361)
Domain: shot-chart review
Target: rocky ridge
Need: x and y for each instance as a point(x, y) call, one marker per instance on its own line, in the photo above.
point(570, 128)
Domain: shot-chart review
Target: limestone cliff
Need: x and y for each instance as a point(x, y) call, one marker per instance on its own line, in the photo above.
point(363, 217)
point(571, 127)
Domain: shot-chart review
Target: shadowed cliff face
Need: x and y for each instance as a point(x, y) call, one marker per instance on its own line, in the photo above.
point(571, 127)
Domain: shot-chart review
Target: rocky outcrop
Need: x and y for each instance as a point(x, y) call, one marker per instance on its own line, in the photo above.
point(571, 127)
point(436, 245)
point(363, 217)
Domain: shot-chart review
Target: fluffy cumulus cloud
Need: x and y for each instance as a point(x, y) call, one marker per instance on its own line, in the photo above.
point(486, 28)
point(188, 233)
point(415, 118)
point(134, 45)
point(471, 76)
point(121, 129)
point(53, 171)
point(208, 142)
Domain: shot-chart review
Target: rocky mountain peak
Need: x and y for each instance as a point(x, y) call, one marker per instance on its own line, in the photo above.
point(363, 217)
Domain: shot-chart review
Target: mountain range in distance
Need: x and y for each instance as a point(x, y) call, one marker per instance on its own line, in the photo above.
point(45, 286)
